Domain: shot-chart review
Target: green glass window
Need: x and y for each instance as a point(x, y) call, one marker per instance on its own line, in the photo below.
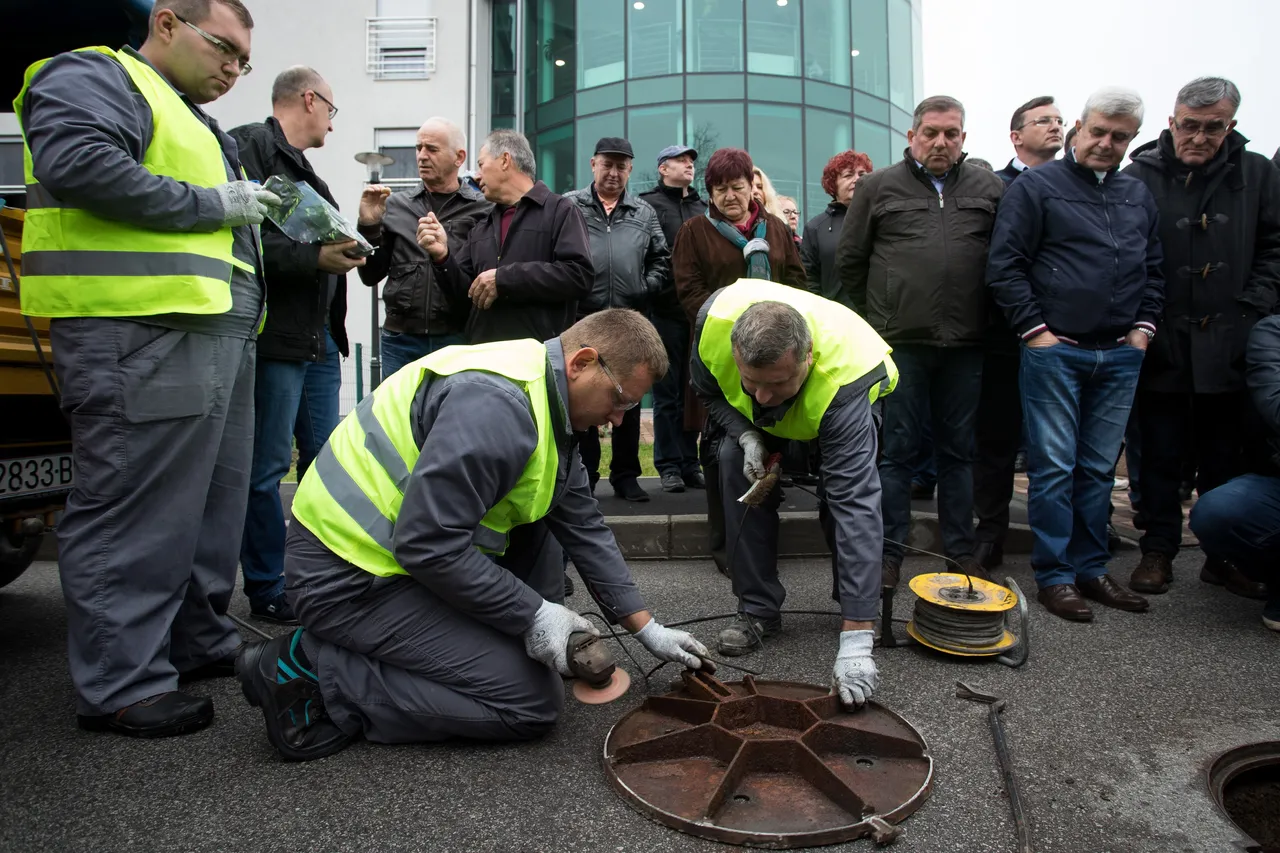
point(873, 140)
point(656, 90)
point(551, 47)
point(870, 40)
point(589, 132)
point(773, 138)
point(713, 87)
point(826, 41)
point(600, 47)
point(901, 62)
point(554, 153)
point(649, 130)
point(762, 87)
point(917, 42)
point(655, 37)
point(714, 30)
point(773, 37)
point(504, 35)
point(825, 135)
point(713, 126)
point(601, 98)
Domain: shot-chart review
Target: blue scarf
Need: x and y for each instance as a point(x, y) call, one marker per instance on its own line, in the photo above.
point(755, 250)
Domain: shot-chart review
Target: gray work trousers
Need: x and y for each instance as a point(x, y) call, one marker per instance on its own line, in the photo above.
point(162, 439)
point(400, 665)
point(751, 535)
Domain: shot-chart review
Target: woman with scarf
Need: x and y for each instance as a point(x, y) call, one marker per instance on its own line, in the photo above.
point(736, 238)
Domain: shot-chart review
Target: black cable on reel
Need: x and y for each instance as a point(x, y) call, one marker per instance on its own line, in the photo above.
point(957, 629)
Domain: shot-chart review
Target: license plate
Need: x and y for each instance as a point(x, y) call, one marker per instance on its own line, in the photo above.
point(34, 475)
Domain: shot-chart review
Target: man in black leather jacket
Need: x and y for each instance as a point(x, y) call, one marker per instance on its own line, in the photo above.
point(632, 265)
point(298, 369)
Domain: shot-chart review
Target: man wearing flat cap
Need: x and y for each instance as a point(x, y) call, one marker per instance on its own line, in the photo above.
point(632, 265)
point(675, 449)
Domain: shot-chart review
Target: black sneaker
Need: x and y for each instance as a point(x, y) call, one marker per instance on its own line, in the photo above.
point(276, 677)
point(694, 479)
point(672, 482)
point(273, 610)
point(162, 715)
point(746, 635)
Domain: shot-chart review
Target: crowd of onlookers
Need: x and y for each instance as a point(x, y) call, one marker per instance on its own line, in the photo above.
point(1083, 300)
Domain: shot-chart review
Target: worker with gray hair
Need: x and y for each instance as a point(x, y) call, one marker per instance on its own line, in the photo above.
point(1076, 267)
point(1220, 225)
point(525, 265)
point(299, 370)
point(419, 319)
point(776, 365)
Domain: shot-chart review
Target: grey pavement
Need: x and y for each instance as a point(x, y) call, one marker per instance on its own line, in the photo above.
point(1111, 724)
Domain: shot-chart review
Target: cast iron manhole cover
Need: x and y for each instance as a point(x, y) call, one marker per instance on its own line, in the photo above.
point(767, 764)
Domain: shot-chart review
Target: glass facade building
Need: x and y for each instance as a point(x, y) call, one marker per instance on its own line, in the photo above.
point(791, 81)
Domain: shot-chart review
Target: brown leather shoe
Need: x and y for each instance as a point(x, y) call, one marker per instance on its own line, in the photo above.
point(890, 572)
point(1153, 575)
point(1104, 590)
point(969, 566)
point(1064, 600)
point(1222, 573)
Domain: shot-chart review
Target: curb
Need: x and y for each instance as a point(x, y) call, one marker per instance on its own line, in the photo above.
point(684, 537)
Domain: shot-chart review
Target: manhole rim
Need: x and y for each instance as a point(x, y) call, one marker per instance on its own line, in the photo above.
point(1226, 766)
point(776, 841)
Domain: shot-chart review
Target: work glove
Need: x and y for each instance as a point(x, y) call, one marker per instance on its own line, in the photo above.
point(855, 676)
point(755, 457)
point(667, 644)
point(244, 203)
point(547, 639)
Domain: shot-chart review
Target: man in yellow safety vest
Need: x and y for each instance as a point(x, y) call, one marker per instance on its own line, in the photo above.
point(424, 560)
point(141, 245)
point(776, 365)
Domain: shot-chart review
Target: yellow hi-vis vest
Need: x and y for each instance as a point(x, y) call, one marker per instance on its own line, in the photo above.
point(845, 348)
point(76, 264)
point(351, 496)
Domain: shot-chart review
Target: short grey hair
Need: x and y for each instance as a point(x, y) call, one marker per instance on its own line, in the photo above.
point(457, 139)
point(767, 331)
point(936, 104)
point(292, 82)
point(1206, 91)
point(512, 142)
point(1113, 102)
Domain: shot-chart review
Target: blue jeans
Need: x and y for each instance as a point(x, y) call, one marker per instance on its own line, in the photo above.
point(675, 449)
point(1240, 522)
point(292, 400)
point(942, 385)
point(400, 348)
point(1075, 403)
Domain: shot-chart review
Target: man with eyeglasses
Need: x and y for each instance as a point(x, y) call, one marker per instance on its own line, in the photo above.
point(1075, 265)
point(1220, 227)
point(420, 558)
point(632, 264)
point(1036, 131)
point(141, 243)
point(299, 371)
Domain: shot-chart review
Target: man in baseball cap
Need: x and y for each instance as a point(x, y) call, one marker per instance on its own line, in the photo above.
point(672, 152)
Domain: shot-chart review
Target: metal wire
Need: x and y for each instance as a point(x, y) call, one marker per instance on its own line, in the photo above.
point(956, 629)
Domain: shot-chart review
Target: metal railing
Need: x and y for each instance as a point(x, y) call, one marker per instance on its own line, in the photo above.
point(400, 48)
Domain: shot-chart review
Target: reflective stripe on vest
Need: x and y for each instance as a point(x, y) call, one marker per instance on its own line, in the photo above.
point(845, 349)
point(76, 264)
point(351, 496)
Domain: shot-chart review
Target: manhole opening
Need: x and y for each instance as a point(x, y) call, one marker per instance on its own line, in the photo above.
point(1252, 799)
point(741, 798)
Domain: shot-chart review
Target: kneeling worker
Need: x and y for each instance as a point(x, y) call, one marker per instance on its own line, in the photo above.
point(421, 564)
point(775, 364)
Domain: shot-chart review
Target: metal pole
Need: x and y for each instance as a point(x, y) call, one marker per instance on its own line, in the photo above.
point(375, 322)
point(359, 372)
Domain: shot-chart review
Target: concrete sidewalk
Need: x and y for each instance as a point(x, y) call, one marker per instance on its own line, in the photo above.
point(1111, 725)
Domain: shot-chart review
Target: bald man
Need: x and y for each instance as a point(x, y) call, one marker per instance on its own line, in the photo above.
point(298, 373)
point(419, 319)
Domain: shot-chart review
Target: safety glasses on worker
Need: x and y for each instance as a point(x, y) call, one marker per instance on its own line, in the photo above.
point(621, 402)
point(226, 51)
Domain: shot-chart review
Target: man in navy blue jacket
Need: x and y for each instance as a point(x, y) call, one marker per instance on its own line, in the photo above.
point(1075, 266)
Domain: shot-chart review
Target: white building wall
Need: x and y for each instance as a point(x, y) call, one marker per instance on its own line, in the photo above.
point(329, 35)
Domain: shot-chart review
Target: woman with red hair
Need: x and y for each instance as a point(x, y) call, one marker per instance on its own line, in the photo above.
point(822, 233)
point(736, 238)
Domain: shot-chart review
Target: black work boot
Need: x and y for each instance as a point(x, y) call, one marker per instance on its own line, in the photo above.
point(1153, 574)
point(746, 634)
point(162, 715)
point(276, 677)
